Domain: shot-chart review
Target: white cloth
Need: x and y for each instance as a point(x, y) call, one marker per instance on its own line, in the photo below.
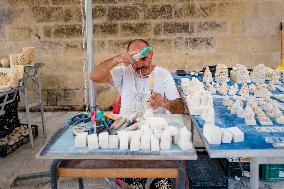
point(135, 90)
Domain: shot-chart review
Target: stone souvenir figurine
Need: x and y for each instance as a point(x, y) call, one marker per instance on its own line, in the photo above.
point(240, 74)
point(207, 78)
point(244, 91)
point(233, 90)
point(221, 75)
point(258, 73)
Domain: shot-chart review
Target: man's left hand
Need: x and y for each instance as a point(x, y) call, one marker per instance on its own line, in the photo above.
point(157, 100)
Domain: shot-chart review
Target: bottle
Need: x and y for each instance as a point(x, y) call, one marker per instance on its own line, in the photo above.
point(141, 54)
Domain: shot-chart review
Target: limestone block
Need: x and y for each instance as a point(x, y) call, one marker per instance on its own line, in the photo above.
point(238, 135)
point(92, 140)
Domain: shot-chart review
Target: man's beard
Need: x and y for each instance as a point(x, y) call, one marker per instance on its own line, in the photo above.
point(143, 71)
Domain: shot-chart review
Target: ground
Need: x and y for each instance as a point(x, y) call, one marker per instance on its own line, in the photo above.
point(23, 161)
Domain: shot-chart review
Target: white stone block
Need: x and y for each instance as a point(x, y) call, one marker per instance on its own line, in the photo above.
point(238, 135)
point(81, 139)
point(135, 143)
point(157, 123)
point(158, 134)
point(212, 134)
point(184, 139)
point(227, 136)
point(146, 141)
point(155, 144)
point(113, 141)
point(166, 141)
point(171, 130)
point(123, 141)
point(103, 140)
point(93, 142)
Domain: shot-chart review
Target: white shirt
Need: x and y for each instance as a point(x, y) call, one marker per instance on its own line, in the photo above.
point(135, 90)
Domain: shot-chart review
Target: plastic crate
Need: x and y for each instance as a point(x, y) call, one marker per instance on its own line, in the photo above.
point(8, 149)
point(206, 173)
point(272, 172)
point(233, 169)
point(8, 122)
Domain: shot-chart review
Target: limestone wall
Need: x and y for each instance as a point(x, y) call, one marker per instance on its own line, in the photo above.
point(186, 34)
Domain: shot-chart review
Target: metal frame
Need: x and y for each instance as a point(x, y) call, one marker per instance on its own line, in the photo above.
point(90, 53)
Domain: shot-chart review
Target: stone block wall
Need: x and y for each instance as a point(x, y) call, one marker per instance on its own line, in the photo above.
point(186, 34)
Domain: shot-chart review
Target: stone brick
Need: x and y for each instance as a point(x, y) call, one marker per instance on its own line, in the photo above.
point(50, 51)
point(73, 50)
point(269, 43)
point(117, 46)
point(52, 96)
point(162, 45)
point(6, 16)
point(256, 26)
point(272, 9)
point(123, 13)
point(70, 97)
point(136, 29)
point(99, 46)
point(104, 1)
point(56, 14)
point(50, 81)
point(178, 28)
point(238, 44)
point(105, 29)
point(27, 2)
point(47, 14)
point(20, 33)
point(184, 11)
point(204, 10)
point(47, 32)
point(66, 2)
point(252, 59)
point(67, 31)
point(235, 26)
point(99, 13)
point(158, 12)
point(201, 43)
point(181, 45)
point(192, 10)
point(241, 9)
point(72, 13)
point(106, 98)
point(158, 29)
point(211, 27)
point(229, 59)
point(2, 33)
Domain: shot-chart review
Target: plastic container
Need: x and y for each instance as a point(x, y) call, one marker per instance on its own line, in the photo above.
point(8, 149)
point(272, 172)
point(206, 173)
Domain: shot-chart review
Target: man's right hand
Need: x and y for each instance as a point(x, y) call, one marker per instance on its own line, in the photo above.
point(125, 58)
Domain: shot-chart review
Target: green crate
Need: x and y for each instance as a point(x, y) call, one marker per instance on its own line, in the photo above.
point(272, 172)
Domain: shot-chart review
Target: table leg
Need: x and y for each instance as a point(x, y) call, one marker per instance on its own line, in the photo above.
point(28, 116)
point(254, 173)
point(181, 179)
point(41, 105)
point(81, 183)
point(53, 176)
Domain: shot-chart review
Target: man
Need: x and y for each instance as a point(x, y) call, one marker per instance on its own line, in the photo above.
point(132, 81)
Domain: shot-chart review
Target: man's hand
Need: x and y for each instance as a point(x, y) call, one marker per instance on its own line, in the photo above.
point(157, 100)
point(124, 58)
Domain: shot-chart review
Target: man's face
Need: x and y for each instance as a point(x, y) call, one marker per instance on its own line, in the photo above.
point(142, 66)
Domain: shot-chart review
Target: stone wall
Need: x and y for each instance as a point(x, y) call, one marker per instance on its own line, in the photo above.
point(186, 34)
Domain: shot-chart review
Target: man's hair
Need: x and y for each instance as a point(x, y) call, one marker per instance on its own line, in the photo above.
point(141, 40)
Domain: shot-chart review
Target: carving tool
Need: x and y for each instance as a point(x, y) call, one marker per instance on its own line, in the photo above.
point(281, 65)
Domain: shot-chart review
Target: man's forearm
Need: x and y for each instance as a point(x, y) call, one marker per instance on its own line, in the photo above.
point(101, 72)
point(175, 106)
